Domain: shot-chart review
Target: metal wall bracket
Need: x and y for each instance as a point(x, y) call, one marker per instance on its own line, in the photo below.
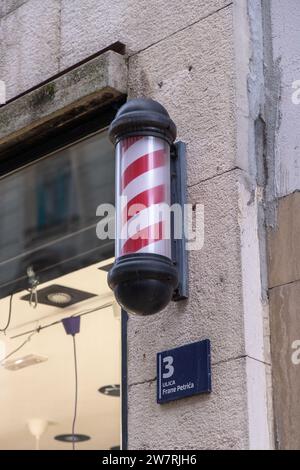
point(179, 196)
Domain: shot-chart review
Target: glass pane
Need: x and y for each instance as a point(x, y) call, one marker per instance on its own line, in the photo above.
point(143, 189)
point(48, 213)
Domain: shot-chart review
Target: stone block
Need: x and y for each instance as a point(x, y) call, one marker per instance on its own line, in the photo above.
point(192, 74)
point(29, 45)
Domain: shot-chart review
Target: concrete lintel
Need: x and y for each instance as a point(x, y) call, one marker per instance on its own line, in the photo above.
point(81, 90)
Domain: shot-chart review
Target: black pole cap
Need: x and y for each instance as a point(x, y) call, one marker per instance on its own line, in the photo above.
point(143, 283)
point(142, 116)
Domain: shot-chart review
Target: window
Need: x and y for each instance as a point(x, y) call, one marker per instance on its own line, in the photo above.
point(48, 212)
point(50, 189)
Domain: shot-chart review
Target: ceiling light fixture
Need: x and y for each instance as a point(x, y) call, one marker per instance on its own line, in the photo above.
point(110, 390)
point(37, 427)
point(19, 361)
point(22, 362)
point(70, 438)
point(61, 296)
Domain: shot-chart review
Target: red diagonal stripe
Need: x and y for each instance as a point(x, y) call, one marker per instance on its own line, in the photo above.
point(143, 238)
point(145, 199)
point(143, 164)
point(126, 143)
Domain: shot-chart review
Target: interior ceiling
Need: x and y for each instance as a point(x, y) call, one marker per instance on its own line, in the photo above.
point(46, 390)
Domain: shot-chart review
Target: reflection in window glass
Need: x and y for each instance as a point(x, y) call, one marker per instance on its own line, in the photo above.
point(48, 213)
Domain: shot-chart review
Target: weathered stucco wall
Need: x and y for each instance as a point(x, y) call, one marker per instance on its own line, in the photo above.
point(282, 72)
point(196, 58)
point(282, 31)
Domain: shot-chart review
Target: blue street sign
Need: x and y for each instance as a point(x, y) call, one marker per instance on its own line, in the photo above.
point(183, 371)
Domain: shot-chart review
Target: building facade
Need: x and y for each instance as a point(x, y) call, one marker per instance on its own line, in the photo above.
point(228, 73)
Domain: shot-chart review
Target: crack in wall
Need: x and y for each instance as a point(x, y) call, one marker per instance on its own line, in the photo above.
point(142, 382)
point(13, 10)
point(215, 176)
point(181, 29)
point(213, 364)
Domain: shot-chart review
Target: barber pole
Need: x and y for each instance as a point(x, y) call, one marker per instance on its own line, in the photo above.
point(143, 277)
point(143, 222)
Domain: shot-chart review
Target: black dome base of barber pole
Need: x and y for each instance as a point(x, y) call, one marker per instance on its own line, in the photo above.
point(143, 283)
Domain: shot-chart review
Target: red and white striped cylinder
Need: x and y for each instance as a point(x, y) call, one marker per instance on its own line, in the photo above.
point(144, 275)
point(143, 196)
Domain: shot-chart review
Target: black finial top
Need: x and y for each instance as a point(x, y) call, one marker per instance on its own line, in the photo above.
point(142, 116)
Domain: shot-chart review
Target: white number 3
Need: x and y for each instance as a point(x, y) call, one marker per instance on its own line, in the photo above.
point(168, 361)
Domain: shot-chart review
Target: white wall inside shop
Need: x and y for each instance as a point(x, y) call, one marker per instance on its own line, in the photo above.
point(47, 390)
